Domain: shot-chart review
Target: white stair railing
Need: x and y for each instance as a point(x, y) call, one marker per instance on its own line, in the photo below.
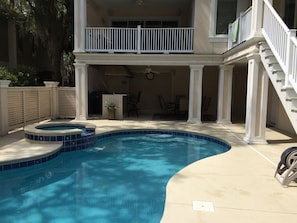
point(282, 42)
point(139, 40)
point(292, 66)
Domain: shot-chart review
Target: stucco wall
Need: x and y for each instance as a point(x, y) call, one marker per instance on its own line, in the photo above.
point(203, 41)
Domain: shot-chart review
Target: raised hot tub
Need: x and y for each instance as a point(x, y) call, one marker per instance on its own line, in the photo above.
point(75, 136)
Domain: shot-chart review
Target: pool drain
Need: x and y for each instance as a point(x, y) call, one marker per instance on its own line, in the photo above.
point(203, 206)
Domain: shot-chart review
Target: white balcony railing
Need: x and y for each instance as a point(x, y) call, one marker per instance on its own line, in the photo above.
point(139, 40)
point(282, 42)
point(240, 29)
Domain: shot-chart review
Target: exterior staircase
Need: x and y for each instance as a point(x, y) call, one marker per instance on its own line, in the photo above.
point(286, 93)
point(278, 53)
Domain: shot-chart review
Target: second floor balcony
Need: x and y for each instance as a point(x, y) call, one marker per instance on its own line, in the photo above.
point(138, 40)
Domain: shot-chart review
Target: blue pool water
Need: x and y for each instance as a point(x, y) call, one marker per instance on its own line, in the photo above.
point(64, 127)
point(122, 178)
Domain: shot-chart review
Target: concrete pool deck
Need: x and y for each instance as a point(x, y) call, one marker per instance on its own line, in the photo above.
point(236, 186)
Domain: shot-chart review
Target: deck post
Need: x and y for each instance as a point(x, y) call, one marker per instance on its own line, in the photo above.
point(257, 17)
point(53, 85)
point(256, 102)
point(80, 17)
point(3, 105)
point(138, 39)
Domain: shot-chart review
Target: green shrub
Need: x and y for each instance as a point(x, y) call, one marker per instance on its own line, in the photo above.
point(5, 74)
point(22, 76)
point(26, 76)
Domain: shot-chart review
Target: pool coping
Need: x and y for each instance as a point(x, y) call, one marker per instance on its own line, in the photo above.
point(29, 129)
point(23, 153)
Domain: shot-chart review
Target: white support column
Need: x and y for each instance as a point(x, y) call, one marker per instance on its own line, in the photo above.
point(3, 105)
point(80, 23)
point(256, 104)
point(54, 100)
point(195, 93)
point(225, 94)
point(81, 91)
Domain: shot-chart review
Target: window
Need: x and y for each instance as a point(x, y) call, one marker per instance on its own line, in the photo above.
point(226, 13)
point(223, 13)
point(145, 23)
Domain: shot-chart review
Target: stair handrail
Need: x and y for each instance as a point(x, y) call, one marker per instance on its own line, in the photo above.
point(278, 35)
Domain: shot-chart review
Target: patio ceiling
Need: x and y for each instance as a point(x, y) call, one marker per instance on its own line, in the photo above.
point(143, 2)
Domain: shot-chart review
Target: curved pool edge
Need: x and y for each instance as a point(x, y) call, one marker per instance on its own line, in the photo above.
point(181, 183)
point(24, 154)
point(187, 172)
point(39, 146)
point(72, 145)
point(165, 131)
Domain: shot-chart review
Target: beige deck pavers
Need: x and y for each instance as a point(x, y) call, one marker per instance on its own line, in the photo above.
point(14, 148)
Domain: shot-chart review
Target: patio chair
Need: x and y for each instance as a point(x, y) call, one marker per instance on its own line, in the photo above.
point(133, 102)
point(169, 107)
point(286, 171)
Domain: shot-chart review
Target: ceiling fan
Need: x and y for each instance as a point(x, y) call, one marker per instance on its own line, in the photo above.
point(150, 73)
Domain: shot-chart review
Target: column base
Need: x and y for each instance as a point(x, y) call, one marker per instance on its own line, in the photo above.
point(193, 120)
point(259, 141)
point(225, 122)
point(81, 118)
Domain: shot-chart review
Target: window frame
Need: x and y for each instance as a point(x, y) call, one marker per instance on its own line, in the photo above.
point(213, 36)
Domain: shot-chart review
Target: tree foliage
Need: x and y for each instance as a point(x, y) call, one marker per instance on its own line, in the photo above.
point(22, 76)
point(49, 21)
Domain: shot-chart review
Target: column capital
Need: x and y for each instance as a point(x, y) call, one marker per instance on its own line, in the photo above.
point(51, 83)
point(253, 56)
point(226, 67)
point(80, 65)
point(196, 66)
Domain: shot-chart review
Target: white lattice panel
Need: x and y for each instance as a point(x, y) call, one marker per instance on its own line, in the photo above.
point(15, 106)
point(31, 105)
point(44, 103)
point(66, 102)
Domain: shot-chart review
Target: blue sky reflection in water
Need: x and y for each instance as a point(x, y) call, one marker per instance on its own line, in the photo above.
point(121, 179)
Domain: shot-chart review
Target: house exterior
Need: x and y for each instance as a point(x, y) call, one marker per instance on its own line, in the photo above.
point(238, 55)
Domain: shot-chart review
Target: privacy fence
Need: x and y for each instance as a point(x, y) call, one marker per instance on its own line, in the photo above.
point(20, 106)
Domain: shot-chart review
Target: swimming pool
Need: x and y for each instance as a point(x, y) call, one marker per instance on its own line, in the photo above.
point(122, 178)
